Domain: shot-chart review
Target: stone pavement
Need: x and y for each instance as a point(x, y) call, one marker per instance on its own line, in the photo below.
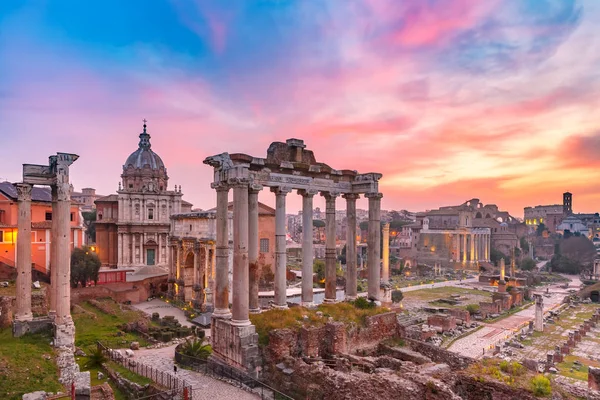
point(473, 345)
point(203, 387)
point(163, 309)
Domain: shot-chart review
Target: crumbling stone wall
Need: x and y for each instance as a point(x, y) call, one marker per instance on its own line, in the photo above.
point(460, 315)
point(469, 388)
point(445, 322)
point(439, 355)
point(7, 306)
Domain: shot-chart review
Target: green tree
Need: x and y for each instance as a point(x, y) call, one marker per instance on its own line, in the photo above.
point(496, 255)
point(85, 265)
point(397, 296)
point(319, 269)
point(89, 222)
point(540, 229)
point(524, 244)
point(342, 256)
point(528, 264)
point(473, 308)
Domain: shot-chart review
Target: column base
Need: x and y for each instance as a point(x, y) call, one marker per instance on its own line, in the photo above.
point(329, 301)
point(223, 313)
point(23, 317)
point(255, 310)
point(245, 322)
point(235, 346)
point(350, 298)
point(278, 307)
point(308, 304)
point(34, 325)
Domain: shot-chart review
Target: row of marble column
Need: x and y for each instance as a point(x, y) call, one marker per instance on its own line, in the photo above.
point(472, 247)
point(246, 248)
point(60, 257)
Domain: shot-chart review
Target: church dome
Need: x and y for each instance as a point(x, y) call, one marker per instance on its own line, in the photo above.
point(144, 170)
point(144, 156)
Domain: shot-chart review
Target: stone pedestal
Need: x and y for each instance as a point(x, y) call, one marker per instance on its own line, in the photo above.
point(539, 313)
point(35, 325)
point(235, 346)
point(386, 294)
point(83, 386)
point(64, 333)
point(594, 378)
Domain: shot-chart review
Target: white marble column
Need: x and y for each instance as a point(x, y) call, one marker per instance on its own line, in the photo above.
point(253, 247)
point(63, 223)
point(23, 311)
point(280, 252)
point(373, 245)
point(464, 255)
point(385, 270)
point(307, 246)
point(53, 254)
point(221, 295)
point(351, 275)
point(241, 296)
point(330, 254)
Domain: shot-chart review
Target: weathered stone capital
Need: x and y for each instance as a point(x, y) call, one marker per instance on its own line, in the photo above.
point(386, 226)
point(23, 191)
point(254, 188)
point(220, 186)
point(351, 196)
point(220, 161)
point(281, 190)
point(330, 195)
point(307, 192)
point(238, 182)
point(63, 191)
point(376, 196)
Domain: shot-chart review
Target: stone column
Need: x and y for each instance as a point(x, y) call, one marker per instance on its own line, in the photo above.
point(221, 295)
point(210, 277)
point(196, 281)
point(253, 243)
point(471, 238)
point(476, 240)
point(539, 313)
point(330, 255)
point(241, 295)
point(23, 311)
point(351, 276)
point(280, 254)
point(502, 269)
point(464, 235)
point(457, 248)
point(385, 271)
point(63, 256)
point(487, 247)
point(373, 245)
point(53, 253)
point(119, 249)
point(307, 246)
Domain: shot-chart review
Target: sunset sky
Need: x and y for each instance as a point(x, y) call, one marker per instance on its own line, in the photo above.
point(448, 99)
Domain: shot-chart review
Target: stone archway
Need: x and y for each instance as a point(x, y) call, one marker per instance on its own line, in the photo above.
point(478, 215)
point(151, 252)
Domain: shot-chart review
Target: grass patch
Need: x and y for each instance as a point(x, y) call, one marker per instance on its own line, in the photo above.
point(293, 318)
point(105, 327)
point(119, 395)
point(510, 312)
point(23, 368)
point(127, 374)
point(564, 368)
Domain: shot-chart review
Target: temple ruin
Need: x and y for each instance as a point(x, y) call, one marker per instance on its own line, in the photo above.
point(287, 167)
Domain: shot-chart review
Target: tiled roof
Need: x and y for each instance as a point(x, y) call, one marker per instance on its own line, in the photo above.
point(37, 193)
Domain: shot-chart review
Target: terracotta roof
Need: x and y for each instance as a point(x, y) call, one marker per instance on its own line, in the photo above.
point(42, 225)
point(110, 197)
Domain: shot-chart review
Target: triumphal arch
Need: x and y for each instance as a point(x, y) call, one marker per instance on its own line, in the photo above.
point(288, 167)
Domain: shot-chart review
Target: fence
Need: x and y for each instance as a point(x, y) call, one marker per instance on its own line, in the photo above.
point(231, 374)
point(162, 378)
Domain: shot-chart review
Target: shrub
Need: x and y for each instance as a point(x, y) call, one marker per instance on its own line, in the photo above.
point(512, 368)
point(95, 359)
point(197, 349)
point(397, 296)
point(473, 308)
point(363, 304)
point(155, 316)
point(200, 333)
point(540, 385)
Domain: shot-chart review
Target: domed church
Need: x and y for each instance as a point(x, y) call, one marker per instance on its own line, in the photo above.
point(132, 226)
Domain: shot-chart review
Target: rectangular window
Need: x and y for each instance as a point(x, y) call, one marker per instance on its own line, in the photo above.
point(48, 216)
point(150, 213)
point(264, 245)
point(71, 217)
point(1, 236)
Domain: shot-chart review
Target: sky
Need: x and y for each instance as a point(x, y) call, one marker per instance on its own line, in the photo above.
point(448, 99)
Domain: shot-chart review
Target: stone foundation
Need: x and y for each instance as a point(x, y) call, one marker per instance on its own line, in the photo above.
point(236, 346)
point(39, 324)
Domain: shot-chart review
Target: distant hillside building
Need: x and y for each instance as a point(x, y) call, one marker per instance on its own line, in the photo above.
point(132, 226)
point(87, 198)
point(549, 215)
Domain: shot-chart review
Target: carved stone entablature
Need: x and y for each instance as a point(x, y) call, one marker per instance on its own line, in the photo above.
point(238, 181)
point(219, 162)
point(23, 191)
point(281, 190)
point(37, 174)
point(307, 192)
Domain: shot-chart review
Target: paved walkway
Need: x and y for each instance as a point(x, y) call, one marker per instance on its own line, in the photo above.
point(163, 309)
point(473, 345)
point(203, 387)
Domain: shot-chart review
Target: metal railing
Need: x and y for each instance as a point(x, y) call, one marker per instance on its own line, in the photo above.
point(231, 374)
point(162, 378)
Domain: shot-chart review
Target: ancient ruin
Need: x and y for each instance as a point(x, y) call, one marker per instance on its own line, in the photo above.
point(287, 167)
point(539, 313)
point(55, 175)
